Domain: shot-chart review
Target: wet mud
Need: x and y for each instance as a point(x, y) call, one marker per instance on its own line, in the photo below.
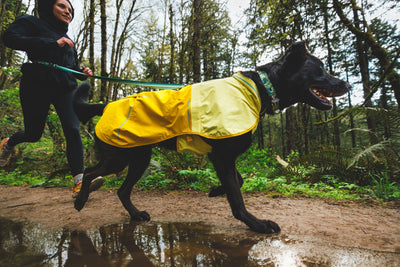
point(40, 227)
point(169, 244)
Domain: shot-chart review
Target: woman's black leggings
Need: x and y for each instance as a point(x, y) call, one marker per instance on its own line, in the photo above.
point(36, 97)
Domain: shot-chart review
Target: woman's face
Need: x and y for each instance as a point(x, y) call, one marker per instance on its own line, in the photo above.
point(62, 11)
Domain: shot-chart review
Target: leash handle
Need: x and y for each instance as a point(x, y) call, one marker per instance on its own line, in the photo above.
point(117, 80)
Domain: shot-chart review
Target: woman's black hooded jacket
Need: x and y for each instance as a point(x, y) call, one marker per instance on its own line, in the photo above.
point(38, 38)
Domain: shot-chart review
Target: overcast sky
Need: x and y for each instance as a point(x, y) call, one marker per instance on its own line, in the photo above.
point(236, 9)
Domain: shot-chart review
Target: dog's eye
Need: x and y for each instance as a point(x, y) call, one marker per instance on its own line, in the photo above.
point(321, 70)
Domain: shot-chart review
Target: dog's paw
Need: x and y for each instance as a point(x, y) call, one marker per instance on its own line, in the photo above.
point(81, 95)
point(78, 206)
point(79, 203)
point(268, 227)
point(216, 191)
point(141, 216)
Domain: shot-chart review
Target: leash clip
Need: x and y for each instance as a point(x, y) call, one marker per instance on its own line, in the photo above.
point(275, 104)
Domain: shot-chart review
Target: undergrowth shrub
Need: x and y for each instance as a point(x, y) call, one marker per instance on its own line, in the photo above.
point(10, 112)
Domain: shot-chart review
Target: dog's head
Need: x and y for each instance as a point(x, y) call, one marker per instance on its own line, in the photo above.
point(299, 76)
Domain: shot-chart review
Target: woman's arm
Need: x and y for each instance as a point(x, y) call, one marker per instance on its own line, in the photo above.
point(20, 35)
point(83, 69)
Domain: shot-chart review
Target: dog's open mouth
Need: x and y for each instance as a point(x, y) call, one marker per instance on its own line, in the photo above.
point(321, 95)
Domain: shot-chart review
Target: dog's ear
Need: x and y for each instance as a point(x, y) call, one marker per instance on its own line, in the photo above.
point(295, 56)
point(290, 62)
point(299, 48)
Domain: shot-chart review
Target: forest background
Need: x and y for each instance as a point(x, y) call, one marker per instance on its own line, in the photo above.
point(349, 152)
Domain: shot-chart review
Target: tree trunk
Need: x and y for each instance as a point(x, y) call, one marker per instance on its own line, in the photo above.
point(3, 78)
point(57, 137)
point(6, 58)
point(284, 151)
point(378, 51)
point(290, 130)
point(351, 116)
point(364, 69)
point(181, 43)
point(162, 48)
point(172, 45)
point(2, 46)
point(83, 37)
point(113, 60)
point(299, 118)
point(260, 134)
point(305, 119)
point(103, 59)
point(269, 132)
point(35, 10)
point(386, 122)
point(196, 40)
point(118, 47)
point(352, 125)
point(330, 66)
point(91, 44)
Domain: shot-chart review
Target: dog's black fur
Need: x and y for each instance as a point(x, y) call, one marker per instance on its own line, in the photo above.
point(293, 76)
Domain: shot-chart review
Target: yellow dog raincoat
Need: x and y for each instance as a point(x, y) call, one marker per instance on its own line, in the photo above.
point(213, 109)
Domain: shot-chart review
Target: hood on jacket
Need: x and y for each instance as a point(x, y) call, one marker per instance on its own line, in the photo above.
point(45, 10)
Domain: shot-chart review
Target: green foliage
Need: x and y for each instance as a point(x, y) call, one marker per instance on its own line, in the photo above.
point(114, 181)
point(201, 180)
point(17, 178)
point(8, 18)
point(10, 112)
point(8, 71)
point(257, 184)
point(303, 179)
point(156, 180)
point(172, 162)
point(179, 171)
point(262, 161)
point(34, 179)
point(260, 171)
point(384, 189)
point(279, 186)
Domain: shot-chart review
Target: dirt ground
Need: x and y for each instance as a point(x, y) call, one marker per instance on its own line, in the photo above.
point(361, 225)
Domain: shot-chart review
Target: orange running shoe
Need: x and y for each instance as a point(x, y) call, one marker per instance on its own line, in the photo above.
point(94, 185)
point(5, 152)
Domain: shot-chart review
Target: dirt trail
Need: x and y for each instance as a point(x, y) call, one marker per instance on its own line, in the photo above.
point(346, 224)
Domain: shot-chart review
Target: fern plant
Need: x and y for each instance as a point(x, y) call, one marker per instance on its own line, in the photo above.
point(383, 188)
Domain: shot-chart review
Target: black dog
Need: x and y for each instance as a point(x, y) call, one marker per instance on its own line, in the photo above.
point(298, 76)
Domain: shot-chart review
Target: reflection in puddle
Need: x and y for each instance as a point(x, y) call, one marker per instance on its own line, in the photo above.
point(172, 244)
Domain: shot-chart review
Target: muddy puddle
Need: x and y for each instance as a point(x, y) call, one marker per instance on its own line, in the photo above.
point(169, 244)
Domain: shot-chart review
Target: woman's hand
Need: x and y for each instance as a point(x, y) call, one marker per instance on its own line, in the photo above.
point(65, 41)
point(87, 71)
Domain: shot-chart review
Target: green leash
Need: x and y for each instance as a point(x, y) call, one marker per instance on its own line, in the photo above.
point(117, 80)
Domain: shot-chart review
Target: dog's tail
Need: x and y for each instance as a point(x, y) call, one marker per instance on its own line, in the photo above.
point(83, 109)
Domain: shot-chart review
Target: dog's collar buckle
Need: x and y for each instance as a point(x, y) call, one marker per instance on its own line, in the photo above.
point(275, 104)
point(270, 90)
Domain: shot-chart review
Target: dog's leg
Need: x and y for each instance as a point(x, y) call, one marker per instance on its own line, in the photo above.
point(113, 160)
point(224, 164)
point(83, 109)
point(219, 190)
point(98, 170)
point(139, 159)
